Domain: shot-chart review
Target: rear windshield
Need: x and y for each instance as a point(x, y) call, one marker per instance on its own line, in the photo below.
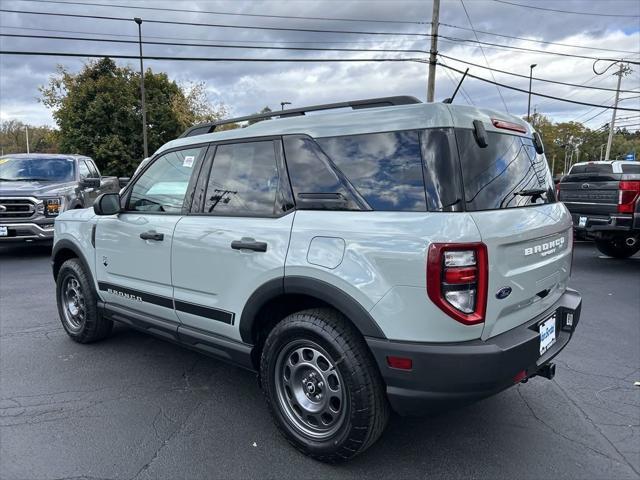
point(508, 173)
point(631, 168)
point(591, 168)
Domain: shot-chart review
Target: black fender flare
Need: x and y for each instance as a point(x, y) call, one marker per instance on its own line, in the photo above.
point(67, 245)
point(311, 287)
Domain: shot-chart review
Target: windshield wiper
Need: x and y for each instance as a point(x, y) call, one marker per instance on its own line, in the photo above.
point(532, 192)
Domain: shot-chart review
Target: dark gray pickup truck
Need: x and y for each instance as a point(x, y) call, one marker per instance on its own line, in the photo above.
point(35, 188)
point(604, 201)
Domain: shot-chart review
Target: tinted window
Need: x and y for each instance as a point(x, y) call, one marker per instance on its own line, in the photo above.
point(244, 179)
point(499, 175)
point(385, 168)
point(591, 168)
point(162, 187)
point(83, 169)
point(631, 168)
point(441, 170)
point(310, 172)
point(42, 169)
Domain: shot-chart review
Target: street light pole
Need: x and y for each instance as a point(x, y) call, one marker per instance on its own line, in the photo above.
point(531, 67)
point(144, 108)
point(282, 104)
point(26, 132)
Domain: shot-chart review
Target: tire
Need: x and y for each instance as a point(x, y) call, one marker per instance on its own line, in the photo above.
point(78, 304)
point(617, 248)
point(316, 365)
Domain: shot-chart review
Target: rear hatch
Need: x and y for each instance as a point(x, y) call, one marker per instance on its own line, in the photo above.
point(591, 189)
point(509, 193)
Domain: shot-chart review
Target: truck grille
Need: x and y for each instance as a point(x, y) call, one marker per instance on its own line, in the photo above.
point(13, 208)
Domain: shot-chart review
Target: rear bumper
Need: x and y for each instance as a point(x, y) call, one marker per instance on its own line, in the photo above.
point(27, 231)
point(596, 225)
point(450, 374)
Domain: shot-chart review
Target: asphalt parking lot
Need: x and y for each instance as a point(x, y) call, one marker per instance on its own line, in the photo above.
point(136, 407)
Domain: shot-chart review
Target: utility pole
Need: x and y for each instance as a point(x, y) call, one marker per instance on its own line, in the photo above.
point(623, 70)
point(144, 108)
point(26, 132)
point(435, 22)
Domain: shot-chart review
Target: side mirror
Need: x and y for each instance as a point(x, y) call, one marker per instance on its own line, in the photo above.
point(123, 181)
point(107, 204)
point(90, 182)
point(537, 143)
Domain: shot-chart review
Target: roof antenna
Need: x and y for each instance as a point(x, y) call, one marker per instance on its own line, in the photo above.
point(450, 99)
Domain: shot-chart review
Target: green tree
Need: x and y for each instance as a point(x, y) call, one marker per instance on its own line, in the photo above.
point(13, 138)
point(98, 112)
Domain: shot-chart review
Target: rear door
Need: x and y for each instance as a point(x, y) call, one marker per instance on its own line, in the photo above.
point(509, 192)
point(235, 239)
point(133, 248)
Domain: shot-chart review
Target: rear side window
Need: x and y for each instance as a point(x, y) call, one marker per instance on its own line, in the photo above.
point(244, 179)
point(385, 168)
point(591, 168)
point(505, 174)
point(631, 168)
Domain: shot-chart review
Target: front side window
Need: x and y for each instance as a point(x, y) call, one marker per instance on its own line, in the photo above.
point(243, 180)
point(385, 168)
point(508, 173)
point(83, 169)
point(163, 186)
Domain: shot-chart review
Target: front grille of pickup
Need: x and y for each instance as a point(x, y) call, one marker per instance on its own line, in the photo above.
point(15, 208)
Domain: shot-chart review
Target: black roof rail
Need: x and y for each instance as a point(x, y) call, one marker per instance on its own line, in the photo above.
point(209, 127)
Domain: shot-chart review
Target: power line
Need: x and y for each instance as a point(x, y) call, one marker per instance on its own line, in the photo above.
point(181, 10)
point(525, 49)
point(566, 11)
point(216, 25)
point(256, 47)
point(210, 59)
point(165, 37)
point(527, 76)
point(483, 54)
point(510, 87)
point(538, 41)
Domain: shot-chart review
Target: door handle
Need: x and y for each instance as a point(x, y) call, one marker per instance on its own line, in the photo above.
point(249, 244)
point(152, 235)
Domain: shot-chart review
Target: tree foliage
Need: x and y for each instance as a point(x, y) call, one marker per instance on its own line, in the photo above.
point(571, 142)
point(13, 138)
point(98, 112)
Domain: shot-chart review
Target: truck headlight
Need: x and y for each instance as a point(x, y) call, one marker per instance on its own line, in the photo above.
point(53, 206)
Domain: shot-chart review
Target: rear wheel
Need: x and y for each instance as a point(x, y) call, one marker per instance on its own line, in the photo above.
point(322, 385)
point(619, 247)
point(78, 304)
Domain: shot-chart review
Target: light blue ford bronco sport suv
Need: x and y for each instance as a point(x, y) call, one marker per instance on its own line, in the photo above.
point(398, 256)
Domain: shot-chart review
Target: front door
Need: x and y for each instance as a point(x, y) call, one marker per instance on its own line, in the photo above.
point(235, 239)
point(133, 248)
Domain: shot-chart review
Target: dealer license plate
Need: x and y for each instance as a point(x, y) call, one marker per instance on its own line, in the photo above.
point(4, 232)
point(547, 334)
point(582, 222)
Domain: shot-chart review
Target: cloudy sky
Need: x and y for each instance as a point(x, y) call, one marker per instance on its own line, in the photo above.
point(611, 31)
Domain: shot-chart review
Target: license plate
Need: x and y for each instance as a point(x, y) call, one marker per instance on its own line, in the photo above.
point(547, 334)
point(4, 232)
point(582, 222)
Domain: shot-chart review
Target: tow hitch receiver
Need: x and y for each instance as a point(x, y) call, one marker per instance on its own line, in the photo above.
point(547, 371)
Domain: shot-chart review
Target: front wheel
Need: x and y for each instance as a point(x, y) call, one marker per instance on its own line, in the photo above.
point(619, 247)
point(322, 385)
point(78, 304)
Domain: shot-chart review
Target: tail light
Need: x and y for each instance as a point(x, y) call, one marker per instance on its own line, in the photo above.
point(628, 194)
point(457, 276)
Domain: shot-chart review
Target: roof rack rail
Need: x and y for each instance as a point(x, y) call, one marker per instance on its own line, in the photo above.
point(209, 127)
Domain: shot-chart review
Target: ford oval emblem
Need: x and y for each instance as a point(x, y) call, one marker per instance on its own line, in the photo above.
point(504, 292)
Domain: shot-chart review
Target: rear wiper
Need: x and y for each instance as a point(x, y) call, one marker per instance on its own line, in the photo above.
point(532, 192)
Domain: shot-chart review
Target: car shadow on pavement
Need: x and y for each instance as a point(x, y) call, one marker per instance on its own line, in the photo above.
point(25, 250)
